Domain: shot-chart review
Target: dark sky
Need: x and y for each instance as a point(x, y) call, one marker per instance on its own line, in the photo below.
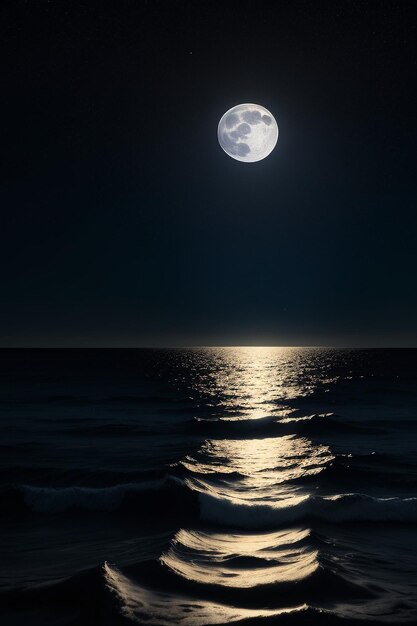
point(124, 223)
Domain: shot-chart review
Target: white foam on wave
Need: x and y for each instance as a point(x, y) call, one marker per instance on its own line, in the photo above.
point(340, 508)
point(57, 500)
point(156, 608)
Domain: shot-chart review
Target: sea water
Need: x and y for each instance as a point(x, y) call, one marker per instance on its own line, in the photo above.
point(208, 486)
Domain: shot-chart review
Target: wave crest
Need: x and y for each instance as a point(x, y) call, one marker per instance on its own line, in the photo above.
point(351, 507)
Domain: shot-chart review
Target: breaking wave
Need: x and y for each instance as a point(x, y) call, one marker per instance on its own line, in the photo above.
point(351, 507)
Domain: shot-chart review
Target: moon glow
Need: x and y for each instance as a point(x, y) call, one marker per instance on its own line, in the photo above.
point(248, 132)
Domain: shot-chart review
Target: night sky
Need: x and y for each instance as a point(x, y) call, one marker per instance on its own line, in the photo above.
point(123, 223)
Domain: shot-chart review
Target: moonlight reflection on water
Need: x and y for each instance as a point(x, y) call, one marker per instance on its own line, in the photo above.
point(250, 472)
point(235, 480)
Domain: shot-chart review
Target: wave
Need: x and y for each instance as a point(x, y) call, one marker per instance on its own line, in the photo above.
point(236, 422)
point(121, 597)
point(149, 500)
point(141, 605)
point(338, 473)
point(316, 424)
point(351, 507)
point(56, 500)
point(241, 561)
point(321, 423)
point(276, 586)
point(193, 499)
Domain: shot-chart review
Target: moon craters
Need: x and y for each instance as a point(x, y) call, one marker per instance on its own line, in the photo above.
point(232, 120)
point(241, 131)
point(251, 117)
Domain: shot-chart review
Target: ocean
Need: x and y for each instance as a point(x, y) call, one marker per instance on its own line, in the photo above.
point(208, 486)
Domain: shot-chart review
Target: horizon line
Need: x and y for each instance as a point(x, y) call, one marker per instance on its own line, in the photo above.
point(211, 347)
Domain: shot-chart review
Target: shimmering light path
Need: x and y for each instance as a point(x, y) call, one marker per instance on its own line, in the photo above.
point(259, 484)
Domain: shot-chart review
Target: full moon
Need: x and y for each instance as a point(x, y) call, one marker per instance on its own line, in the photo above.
point(248, 132)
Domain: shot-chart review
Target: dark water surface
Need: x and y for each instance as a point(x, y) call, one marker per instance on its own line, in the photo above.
point(208, 486)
